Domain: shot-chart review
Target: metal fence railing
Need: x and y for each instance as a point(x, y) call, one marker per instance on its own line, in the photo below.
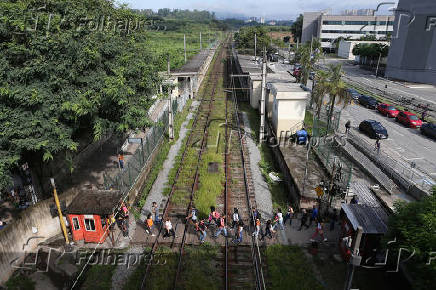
point(398, 170)
point(124, 179)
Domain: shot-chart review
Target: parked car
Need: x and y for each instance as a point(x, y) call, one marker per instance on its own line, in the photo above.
point(387, 110)
point(373, 129)
point(409, 119)
point(368, 102)
point(429, 129)
point(354, 94)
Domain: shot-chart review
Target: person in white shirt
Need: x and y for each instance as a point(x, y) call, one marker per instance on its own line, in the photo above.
point(279, 219)
point(168, 229)
point(235, 217)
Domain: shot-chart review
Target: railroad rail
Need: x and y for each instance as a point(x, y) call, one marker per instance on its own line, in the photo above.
point(241, 194)
point(172, 210)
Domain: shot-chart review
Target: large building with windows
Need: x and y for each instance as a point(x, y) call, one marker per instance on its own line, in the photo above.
point(412, 56)
point(328, 28)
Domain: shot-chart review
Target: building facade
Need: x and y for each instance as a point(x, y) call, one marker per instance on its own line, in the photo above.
point(328, 28)
point(412, 55)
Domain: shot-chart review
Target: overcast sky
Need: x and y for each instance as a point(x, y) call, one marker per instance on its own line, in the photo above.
point(271, 9)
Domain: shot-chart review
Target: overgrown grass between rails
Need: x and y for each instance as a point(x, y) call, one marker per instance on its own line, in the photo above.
point(98, 277)
point(160, 275)
point(161, 157)
point(199, 270)
point(288, 268)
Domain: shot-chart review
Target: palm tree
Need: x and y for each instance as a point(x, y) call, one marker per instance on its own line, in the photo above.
point(320, 90)
point(336, 90)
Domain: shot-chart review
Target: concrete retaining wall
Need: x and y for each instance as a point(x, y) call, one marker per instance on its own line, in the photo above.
point(18, 238)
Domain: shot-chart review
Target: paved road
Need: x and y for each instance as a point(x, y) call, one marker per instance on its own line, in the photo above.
point(420, 92)
point(403, 143)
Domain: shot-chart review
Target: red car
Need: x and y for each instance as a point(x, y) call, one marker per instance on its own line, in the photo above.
point(296, 72)
point(387, 110)
point(409, 119)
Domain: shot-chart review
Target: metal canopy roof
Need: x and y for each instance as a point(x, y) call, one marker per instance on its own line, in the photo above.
point(373, 220)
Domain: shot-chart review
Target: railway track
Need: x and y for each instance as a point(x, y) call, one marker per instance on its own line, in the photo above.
point(186, 181)
point(238, 267)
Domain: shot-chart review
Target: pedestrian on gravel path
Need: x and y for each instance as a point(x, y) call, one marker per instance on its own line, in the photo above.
point(313, 216)
point(235, 217)
point(155, 212)
point(255, 214)
point(289, 215)
point(239, 233)
point(214, 215)
point(268, 230)
point(221, 227)
point(347, 127)
point(121, 159)
point(303, 219)
point(319, 231)
point(192, 215)
point(279, 219)
point(149, 225)
point(333, 219)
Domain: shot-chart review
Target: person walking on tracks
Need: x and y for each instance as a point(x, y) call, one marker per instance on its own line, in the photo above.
point(289, 215)
point(213, 216)
point(239, 233)
point(169, 231)
point(193, 216)
point(268, 230)
point(258, 229)
point(221, 227)
point(235, 217)
point(304, 216)
point(202, 229)
point(149, 225)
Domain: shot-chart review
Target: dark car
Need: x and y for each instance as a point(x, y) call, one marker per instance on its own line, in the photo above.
point(373, 129)
point(368, 102)
point(354, 94)
point(311, 75)
point(429, 129)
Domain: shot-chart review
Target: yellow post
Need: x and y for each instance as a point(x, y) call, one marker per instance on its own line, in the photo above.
point(61, 218)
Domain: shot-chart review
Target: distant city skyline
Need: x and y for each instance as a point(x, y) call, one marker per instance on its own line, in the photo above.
point(274, 9)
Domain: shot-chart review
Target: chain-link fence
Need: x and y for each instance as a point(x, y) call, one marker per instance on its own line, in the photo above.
point(400, 171)
point(124, 179)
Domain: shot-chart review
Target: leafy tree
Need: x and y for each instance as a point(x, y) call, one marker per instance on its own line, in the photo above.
point(413, 225)
point(308, 55)
point(245, 38)
point(59, 80)
point(368, 37)
point(286, 39)
point(297, 27)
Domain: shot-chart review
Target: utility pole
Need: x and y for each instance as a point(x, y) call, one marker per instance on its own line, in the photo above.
point(297, 42)
point(255, 46)
point(378, 63)
point(61, 218)
point(184, 44)
point(262, 100)
point(355, 259)
point(201, 46)
point(170, 107)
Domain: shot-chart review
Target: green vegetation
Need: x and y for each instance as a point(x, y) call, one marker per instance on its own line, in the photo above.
point(267, 164)
point(413, 225)
point(297, 28)
point(199, 269)
point(98, 277)
point(20, 282)
point(244, 39)
point(371, 50)
point(288, 268)
point(67, 83)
